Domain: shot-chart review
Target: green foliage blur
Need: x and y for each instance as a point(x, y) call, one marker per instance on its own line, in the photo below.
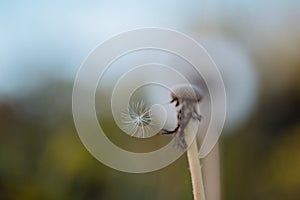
point(42, 157)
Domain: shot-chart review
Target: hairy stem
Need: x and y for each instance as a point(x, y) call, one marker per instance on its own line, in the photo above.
point(195, 169)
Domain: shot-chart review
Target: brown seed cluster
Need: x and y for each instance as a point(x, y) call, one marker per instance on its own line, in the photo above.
point(186, 93)
point(186, 98)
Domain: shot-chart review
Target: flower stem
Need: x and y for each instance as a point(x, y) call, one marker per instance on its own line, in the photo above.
point(195, 170)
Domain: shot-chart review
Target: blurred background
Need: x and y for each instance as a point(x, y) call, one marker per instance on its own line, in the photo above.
point(255, 44)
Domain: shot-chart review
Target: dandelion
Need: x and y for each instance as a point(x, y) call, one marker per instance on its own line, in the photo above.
point(186, 99)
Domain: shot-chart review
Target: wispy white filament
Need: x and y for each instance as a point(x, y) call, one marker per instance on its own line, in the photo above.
point(137, 119)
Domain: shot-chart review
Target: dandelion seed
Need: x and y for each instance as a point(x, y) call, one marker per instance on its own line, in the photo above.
point(137, 120)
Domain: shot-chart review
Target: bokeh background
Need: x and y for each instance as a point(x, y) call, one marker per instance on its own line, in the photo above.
point(256, 45)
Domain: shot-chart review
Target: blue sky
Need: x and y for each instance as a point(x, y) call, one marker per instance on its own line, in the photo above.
point(51, 39)
point(54, 38)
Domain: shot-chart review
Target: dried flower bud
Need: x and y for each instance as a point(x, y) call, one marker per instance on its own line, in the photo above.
point(186, 93)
